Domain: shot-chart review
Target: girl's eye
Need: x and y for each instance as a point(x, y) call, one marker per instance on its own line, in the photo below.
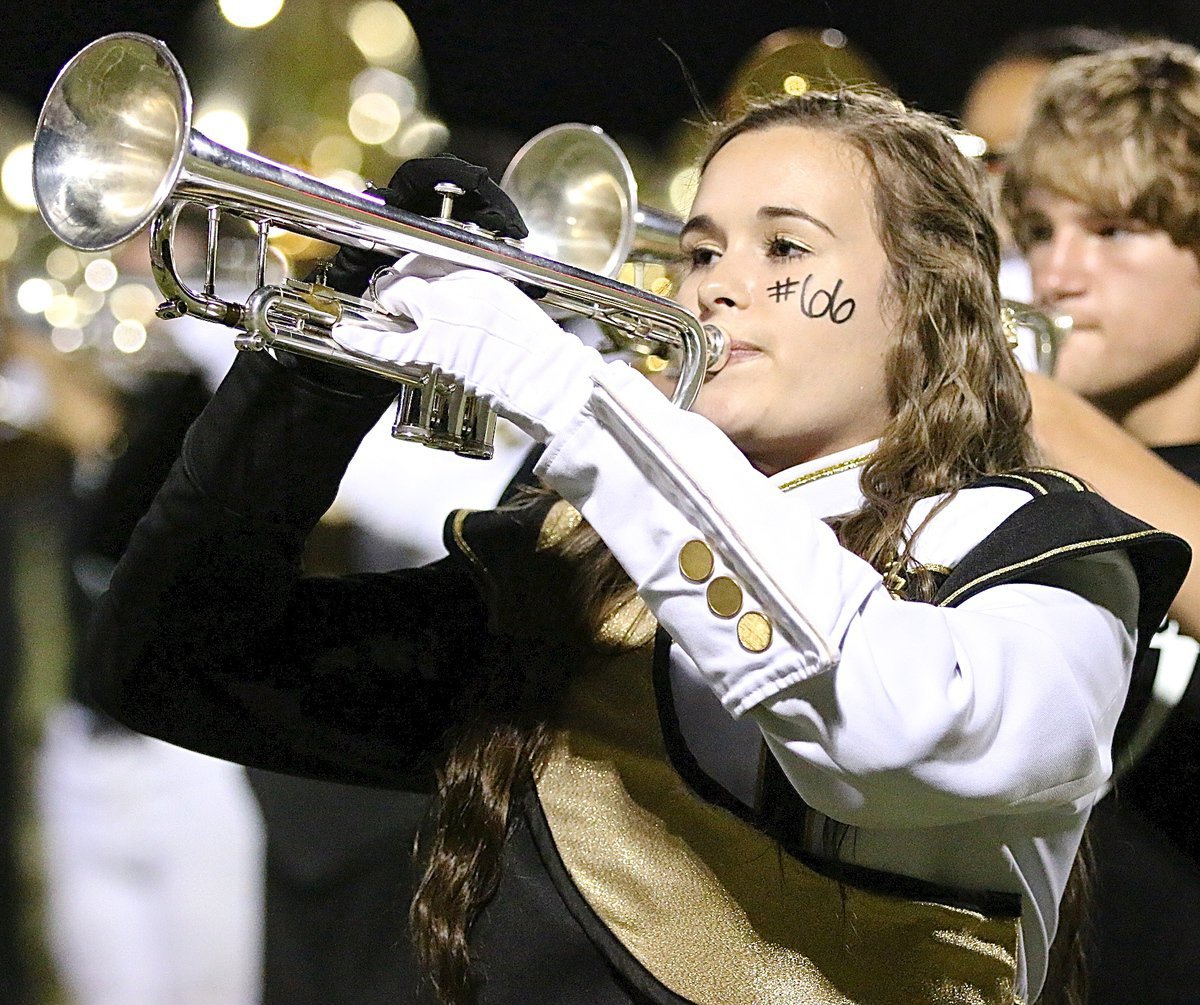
point(700, 256)
point(786, 247)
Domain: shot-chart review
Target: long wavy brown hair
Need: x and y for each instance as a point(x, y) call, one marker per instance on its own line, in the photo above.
point(959, 410)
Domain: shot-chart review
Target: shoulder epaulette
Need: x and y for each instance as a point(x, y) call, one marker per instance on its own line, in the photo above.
point(1065, 519)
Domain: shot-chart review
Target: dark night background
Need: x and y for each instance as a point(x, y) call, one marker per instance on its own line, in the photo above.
point(524, 65)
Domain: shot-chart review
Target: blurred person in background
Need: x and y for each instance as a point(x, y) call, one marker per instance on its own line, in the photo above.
point(52, 412)
point(1101, 192)
point(998, 104)
point(1000, 98)
point(153, 876)
point(13, 962)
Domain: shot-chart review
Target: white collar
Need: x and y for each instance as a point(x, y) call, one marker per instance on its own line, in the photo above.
point(828, 485)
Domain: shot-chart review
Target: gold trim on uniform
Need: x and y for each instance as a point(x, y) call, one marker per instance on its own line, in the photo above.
point(1076, 483)
point(1053, 552)
point(724, 597)
point(1033, 483)
point(833, 469)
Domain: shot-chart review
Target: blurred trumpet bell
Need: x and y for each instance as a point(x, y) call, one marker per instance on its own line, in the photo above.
point(795, 60)
point(577, 194)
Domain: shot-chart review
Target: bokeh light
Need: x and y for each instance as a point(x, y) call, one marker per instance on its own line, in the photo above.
point(67, 339)
point(374, 118)
point(419, 138)
point(16, 177)
point(34, 295)
point(226, 126)
point(336, 152)
point(62, 311)
point(100, 274)
point(382, 32)
point(10, 236)
point(129, 336)
point(133, 302)
point(249, 13)
point(62, 263)
point(795, 84)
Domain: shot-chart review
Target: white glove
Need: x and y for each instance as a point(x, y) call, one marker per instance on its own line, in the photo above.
point(488, 334)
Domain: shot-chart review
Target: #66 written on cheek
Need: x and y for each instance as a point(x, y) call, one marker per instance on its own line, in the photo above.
point(817, 304)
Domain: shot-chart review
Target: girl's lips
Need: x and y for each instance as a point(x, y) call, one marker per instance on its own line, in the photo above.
point(742, 350)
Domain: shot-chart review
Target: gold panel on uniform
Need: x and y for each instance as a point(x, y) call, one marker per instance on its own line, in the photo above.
point(560, 521)
point(696, 561)
point(754, 631)
point(709, 905)
point(724, 597)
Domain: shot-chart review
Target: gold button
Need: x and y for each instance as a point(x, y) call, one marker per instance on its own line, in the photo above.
point(754, 631)
point(696, 561)
point(724, 597)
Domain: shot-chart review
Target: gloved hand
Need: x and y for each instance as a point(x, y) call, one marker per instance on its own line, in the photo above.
point(487, 333)
point(483, 202)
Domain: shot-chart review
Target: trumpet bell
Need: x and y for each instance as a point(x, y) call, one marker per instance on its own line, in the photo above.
point(110, 141)
point(577, 194)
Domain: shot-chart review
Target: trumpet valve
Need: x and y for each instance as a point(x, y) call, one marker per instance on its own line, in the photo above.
point(449, 192)
point(438, 411)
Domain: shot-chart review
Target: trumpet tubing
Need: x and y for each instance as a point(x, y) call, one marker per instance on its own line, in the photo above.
point(1046, 332)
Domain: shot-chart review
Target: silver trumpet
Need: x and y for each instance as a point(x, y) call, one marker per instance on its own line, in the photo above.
point(1035, 335)
point(114, 152)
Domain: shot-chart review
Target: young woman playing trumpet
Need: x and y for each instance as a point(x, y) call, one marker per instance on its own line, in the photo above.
point(802, 695)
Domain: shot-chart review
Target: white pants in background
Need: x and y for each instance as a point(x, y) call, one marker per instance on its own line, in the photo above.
point(153, 869)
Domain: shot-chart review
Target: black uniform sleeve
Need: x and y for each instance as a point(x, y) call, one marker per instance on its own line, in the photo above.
point(210, 637)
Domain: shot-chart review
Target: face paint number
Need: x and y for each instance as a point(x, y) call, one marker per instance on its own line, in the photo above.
point(818, 304)
point(783, 290)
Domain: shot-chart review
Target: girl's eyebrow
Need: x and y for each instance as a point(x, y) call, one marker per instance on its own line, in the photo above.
point(702, 222)
point(774, 212)
point(705, 223)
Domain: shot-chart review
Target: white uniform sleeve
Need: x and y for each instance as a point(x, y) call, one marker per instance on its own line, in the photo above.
point(882, 712)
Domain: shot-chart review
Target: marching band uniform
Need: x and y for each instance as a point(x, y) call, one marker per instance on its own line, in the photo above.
point(679, 843)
